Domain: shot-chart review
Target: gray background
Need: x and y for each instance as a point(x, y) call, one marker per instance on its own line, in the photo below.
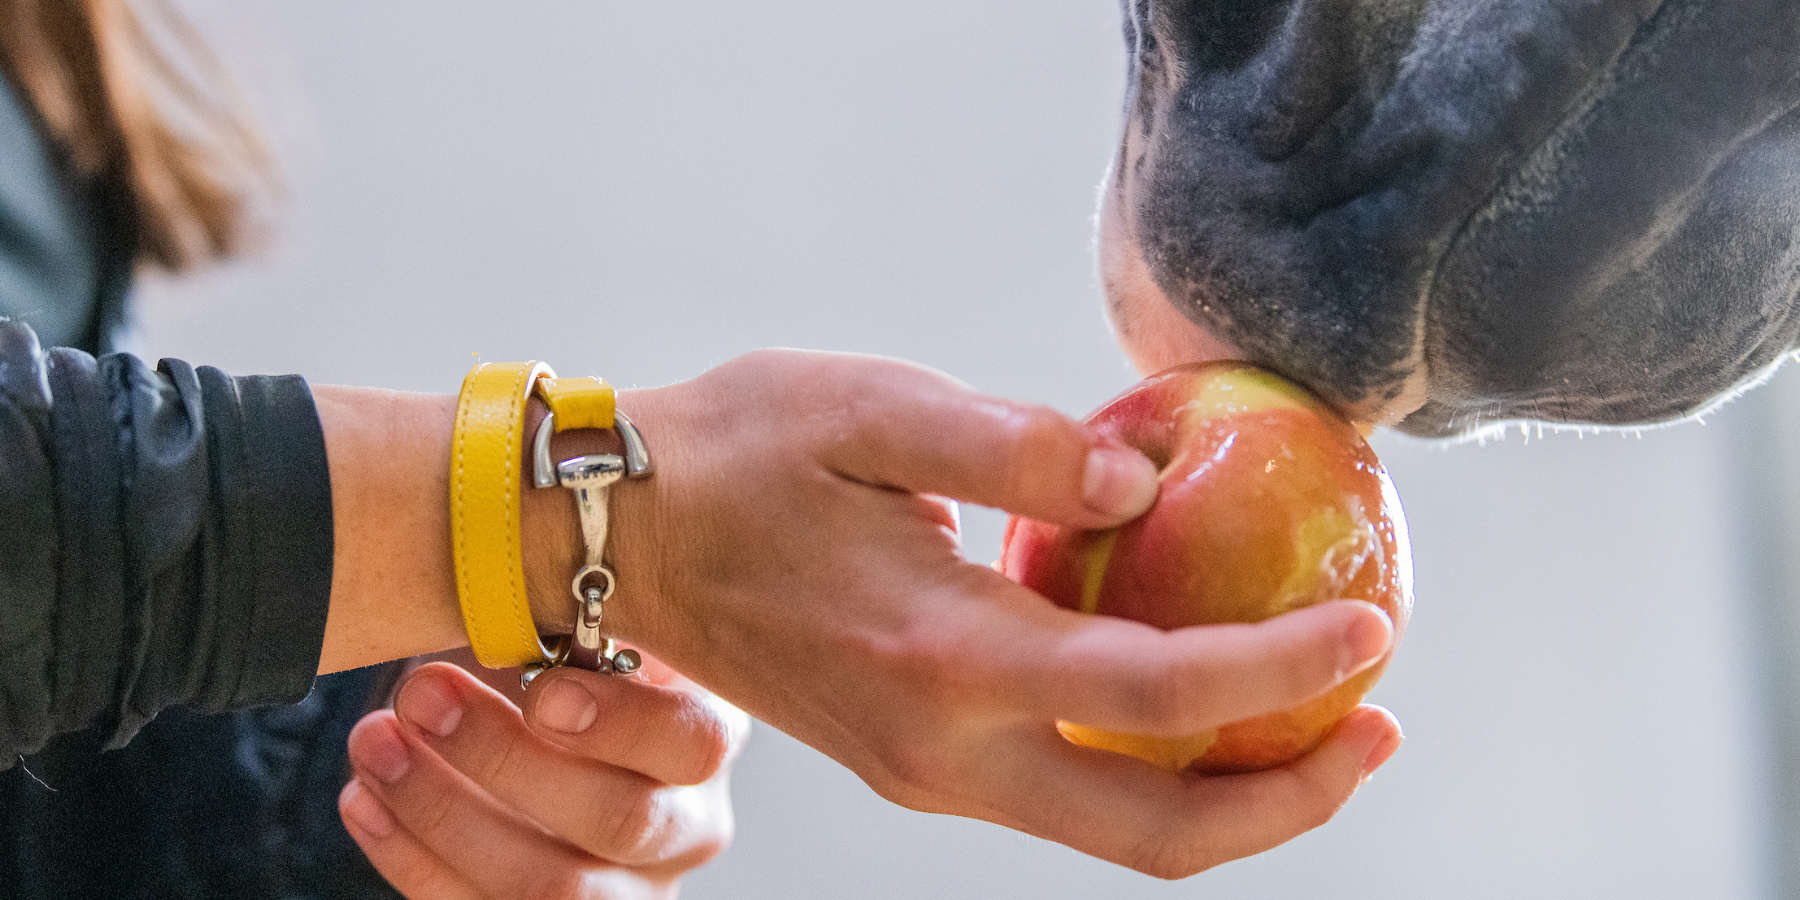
point(644, 191)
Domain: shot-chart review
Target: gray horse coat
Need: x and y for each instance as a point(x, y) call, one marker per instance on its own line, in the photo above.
point(1454, 212)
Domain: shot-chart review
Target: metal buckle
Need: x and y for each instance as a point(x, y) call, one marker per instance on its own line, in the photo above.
point(591, 478)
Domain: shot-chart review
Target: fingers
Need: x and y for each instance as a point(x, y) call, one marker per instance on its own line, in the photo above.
point(415, 871)
point(432, 834)
point(398, 856)
point(1174, 825)
point(675, 736)
point(919, 431)
point(1194, 679)
point(1117, 674)
point(600, 803)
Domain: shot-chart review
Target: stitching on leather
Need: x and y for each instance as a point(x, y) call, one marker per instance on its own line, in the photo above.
point(464, 591)
point(515, 569)
point(512, 555)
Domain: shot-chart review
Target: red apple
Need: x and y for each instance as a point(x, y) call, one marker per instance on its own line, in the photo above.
point(1269, 502)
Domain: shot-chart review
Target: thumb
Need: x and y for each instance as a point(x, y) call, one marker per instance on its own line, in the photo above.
point(922, 432)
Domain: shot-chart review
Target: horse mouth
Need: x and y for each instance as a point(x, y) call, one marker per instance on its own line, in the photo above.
point(1581, 214)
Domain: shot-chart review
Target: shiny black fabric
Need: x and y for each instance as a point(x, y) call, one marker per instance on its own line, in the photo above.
point(169, 541)
point(165, 553)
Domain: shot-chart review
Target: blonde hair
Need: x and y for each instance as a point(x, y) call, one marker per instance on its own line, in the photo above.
point(116, 100)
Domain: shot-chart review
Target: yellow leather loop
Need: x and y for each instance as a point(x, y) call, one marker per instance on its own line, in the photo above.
point(487, 455)
point(578, 402)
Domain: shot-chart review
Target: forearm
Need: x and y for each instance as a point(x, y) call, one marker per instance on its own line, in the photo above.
point(393, 586)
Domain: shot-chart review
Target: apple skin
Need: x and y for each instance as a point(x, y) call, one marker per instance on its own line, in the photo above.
point(1268, 502)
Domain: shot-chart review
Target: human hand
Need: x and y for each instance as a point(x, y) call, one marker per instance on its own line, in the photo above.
point(793, 555)
point(603, 787)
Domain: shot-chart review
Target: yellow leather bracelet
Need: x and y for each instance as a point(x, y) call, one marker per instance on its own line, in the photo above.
point(486, 478)
point(486, 459)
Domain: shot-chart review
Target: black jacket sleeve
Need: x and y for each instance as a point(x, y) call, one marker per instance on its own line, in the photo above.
point(165, 538)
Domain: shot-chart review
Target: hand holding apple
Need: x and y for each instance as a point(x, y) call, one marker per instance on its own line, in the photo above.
point(795, 555)
point(1269, 502)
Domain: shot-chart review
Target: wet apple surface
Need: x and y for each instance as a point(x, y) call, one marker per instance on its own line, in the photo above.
point(1269, 502)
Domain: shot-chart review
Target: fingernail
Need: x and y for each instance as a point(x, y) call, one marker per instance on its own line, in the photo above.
point(1118, 483)
point(431, 705)
point(1380, 753)
point(378, 747)
point(565, 707)
point(1366, 639)
point(361, 807)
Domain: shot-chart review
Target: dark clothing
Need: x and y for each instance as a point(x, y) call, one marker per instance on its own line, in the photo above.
point(165, 555)
point(240, 806)
point(166, 539)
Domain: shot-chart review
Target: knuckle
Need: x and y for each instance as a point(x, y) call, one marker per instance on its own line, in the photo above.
point(630, 826)
point(1318, 799)
point(946, 681)
point(1206, 691)
point(1163, 697)
point(765, 363)
point(1185, 849)
point(891, 787)
point(917, 776)
point(738, 726)
point(710, 736)
point(753, 379)
point(493, 766)
point(1171, 860)
point(706, 843)
point(718, 839)
point(914, 766)
point(1041, 440)
point(1307, 667)
point(433, 813)
point(851, 418)
point(1317, 815)
point(629, 744)
point(707, 849)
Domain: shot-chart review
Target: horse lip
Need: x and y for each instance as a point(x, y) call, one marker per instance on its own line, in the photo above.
point(1158, 333)
point(1365, 414)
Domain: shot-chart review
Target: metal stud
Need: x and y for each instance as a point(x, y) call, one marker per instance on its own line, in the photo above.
point(627, 661)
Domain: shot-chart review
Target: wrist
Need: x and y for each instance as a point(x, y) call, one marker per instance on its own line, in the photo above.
point(505, 456)
point(393, 590)
point(554, 546)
